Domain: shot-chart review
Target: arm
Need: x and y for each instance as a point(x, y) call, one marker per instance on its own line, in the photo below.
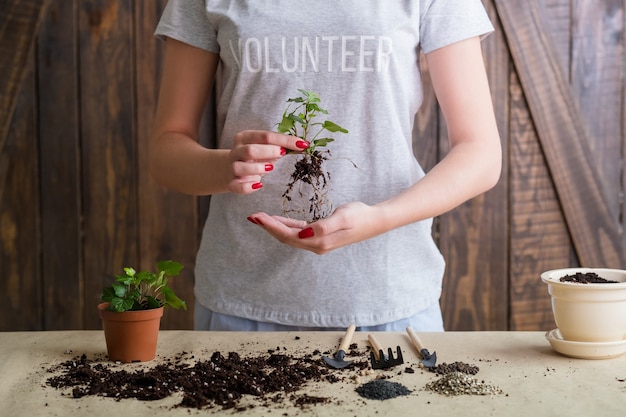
point(471, 167)
point(474, 162)
point(176, 159)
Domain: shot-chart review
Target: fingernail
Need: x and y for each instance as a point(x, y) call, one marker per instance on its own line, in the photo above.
point(283, 151)
point(305, 233)
point(252, 220)
point(257, 185)
point(302, 144)
point(269, 167)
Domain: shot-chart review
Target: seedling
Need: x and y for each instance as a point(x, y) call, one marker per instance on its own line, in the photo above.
point(309, 181)
point(144, 290)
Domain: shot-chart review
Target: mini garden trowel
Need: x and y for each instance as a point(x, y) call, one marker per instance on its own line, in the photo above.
point(428, 360)
point(338, 361)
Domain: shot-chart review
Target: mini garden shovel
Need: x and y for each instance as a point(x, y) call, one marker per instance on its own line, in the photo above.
point(428, 359)
point(338, 361)
point(378, 357)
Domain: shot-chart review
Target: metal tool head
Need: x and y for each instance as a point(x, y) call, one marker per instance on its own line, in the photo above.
point(337, 361)
point(428, 360)
point(386, 361)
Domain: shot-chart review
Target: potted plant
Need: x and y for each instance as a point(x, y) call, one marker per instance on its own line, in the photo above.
point(307, 189)
point(132, 308)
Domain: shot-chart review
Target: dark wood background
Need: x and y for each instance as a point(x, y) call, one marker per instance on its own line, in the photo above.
point(78, 86)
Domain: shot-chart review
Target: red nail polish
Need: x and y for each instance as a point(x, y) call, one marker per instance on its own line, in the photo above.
point(259, 222)
point(283, 151)
point(251, 219)
point(269, 167)
point(257, 185)
point(305, 233)
point(302, 144)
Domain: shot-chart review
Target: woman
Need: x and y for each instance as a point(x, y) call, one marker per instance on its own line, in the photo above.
point(380, 267)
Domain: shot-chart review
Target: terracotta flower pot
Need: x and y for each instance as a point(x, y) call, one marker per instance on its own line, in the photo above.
point(131, 336)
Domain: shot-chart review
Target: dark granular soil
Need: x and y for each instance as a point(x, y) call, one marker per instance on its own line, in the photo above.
point(586, 278)
point(221, 381)
point(382, 389)
point(445, 368)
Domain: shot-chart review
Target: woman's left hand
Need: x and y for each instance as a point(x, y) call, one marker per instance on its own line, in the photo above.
point(350, 223)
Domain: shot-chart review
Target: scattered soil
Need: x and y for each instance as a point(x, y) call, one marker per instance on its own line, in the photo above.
point(221, 381)
point(271, 380)
point(586, 278)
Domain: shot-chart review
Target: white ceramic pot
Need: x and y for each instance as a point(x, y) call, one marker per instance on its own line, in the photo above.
point(588, 312)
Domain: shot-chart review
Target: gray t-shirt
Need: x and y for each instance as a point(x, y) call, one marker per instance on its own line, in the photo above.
point(362, 58)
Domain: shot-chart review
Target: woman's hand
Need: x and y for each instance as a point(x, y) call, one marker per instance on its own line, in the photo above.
point(253, 155)
point(177, 160)
point(350, 223)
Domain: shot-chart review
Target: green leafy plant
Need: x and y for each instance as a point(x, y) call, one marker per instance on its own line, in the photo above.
point(298, 120)
point(307, 189)
point(144, 290)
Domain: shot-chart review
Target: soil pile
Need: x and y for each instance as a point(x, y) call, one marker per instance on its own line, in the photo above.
point(221, 381)
point(586, 278)
point(382, 389)
point(445, 368)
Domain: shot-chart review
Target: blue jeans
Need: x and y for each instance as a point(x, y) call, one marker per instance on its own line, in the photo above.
point(429, 320)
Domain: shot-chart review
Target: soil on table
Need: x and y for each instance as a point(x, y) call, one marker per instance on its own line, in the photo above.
point(586, 278)
point(221, 381)
point(273, 379)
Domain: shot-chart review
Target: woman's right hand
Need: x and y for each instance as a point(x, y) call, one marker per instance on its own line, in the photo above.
point(177, 159)
point(253, 155)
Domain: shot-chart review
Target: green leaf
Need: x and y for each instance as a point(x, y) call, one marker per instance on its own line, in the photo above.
point(120, 290)
point(152, 302)
point(125, 279)
point(171, 268)
point(120, 305)
point(108, 294)
point(134, 294)
point(314, 108)
point(322, 141)
point(285, 125)
point(172, 300)
point(311, 96)
point(333, 127)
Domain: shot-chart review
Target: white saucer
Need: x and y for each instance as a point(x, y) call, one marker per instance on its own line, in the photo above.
point(585, 350)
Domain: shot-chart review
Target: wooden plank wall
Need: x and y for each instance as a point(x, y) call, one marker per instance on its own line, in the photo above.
point(76, 202)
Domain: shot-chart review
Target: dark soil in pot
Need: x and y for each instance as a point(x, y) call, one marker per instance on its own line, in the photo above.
point(586, 278)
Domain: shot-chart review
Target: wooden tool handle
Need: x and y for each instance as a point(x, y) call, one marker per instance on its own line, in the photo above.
point(414, 339)
point(347, 338)
point(375, 345)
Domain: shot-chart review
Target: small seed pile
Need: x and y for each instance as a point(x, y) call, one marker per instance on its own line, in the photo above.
point(460, 383)
point(382, 389)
